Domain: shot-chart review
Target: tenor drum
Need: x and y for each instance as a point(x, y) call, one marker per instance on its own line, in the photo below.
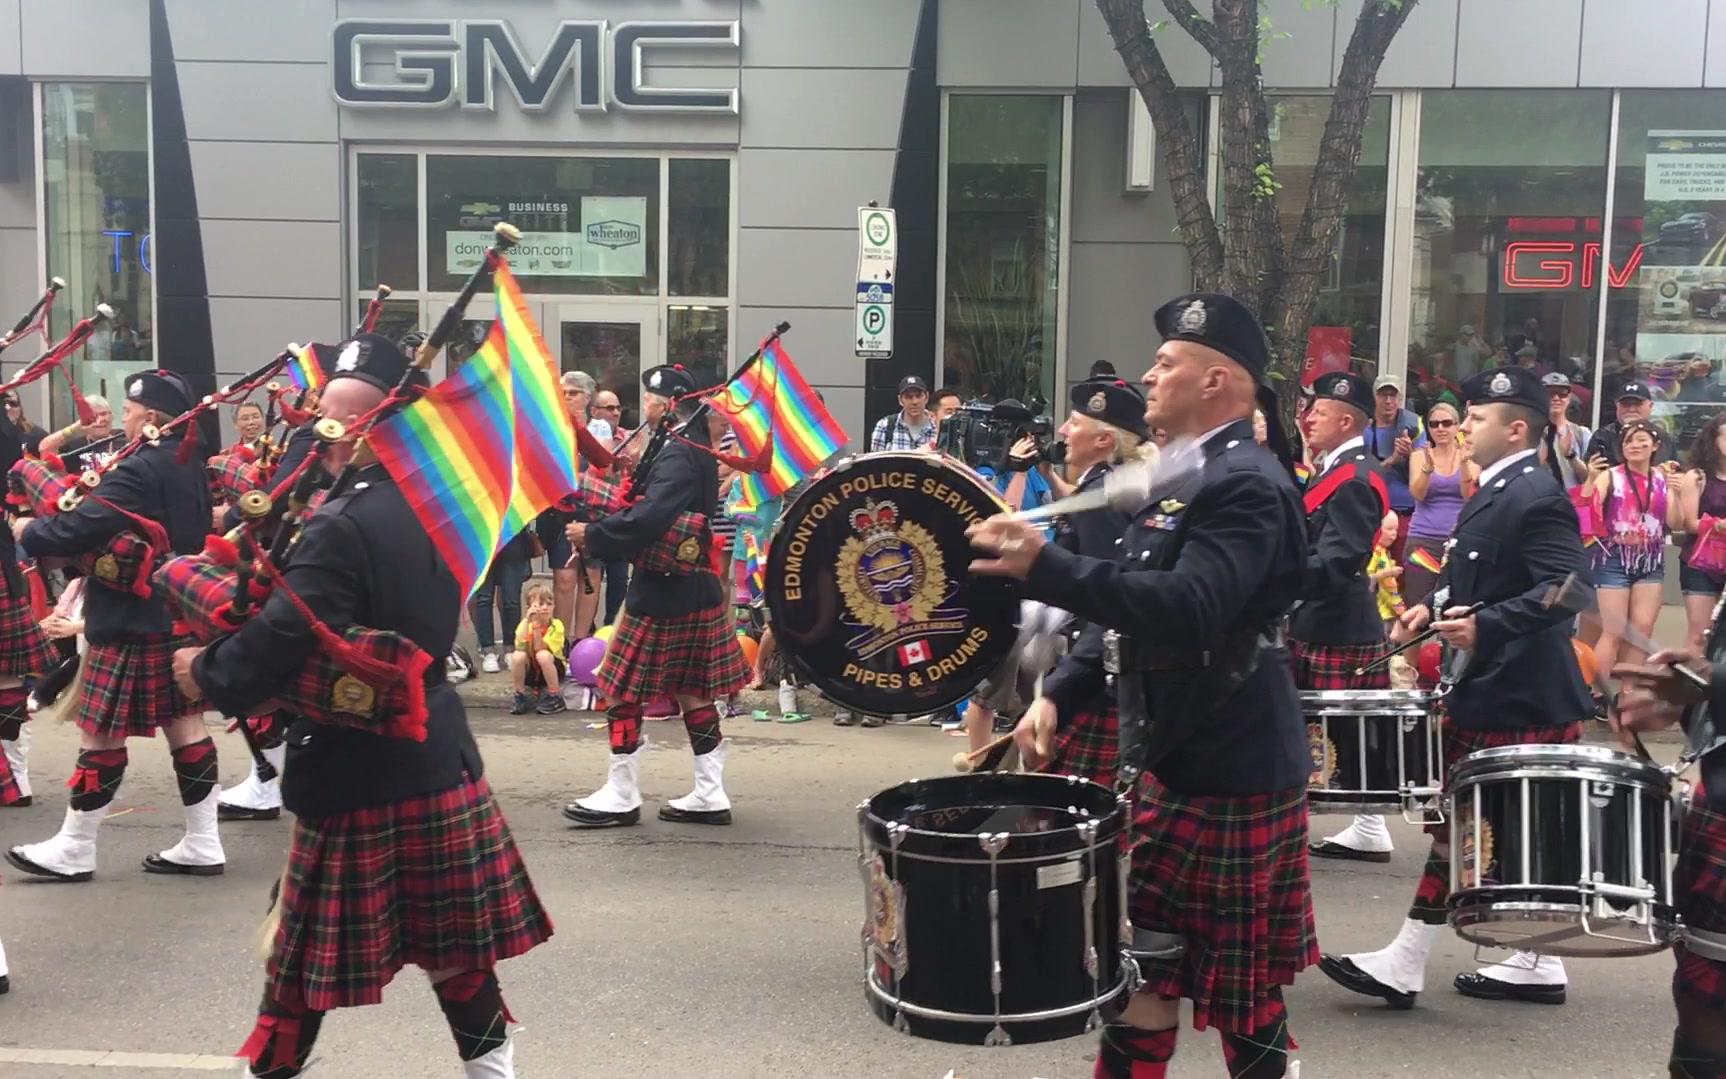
point(869, 593)
point(1373, 749)
point(994, 906)
point(1563, 850)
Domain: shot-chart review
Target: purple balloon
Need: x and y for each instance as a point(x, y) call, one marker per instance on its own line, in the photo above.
point(584, 660)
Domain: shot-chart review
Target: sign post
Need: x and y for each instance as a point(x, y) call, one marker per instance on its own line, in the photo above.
point(877, 258)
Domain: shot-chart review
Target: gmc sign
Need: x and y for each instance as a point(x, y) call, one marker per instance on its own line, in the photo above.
point(437, 63)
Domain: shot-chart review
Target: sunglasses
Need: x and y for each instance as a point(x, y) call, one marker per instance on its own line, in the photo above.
point(608, 408)
point(1441, 423)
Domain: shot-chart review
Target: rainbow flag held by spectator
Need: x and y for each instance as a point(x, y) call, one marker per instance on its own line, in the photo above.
point(486, 450)
point(305, 371)
point(770, 402)
point(1425, 559)
point(754, 566)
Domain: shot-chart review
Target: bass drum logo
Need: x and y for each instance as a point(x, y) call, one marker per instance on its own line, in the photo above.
point(891, 573)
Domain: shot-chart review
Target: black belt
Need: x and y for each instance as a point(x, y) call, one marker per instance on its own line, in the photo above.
point(1121, 653)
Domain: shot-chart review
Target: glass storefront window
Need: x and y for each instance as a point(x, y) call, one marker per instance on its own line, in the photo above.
point(1666, 304)
point(1507, 232)
point(590, 226)
point(700, 240)
point(398, 317)
point(1003, 246)
point(389, 221)
point(696, 338)
point(96, 185)
point(1345, 325)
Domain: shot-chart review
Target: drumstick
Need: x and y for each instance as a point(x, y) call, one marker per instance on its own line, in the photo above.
point(1420, 638)
point(987, 759)
point(1130, 486)
point(1571, 595)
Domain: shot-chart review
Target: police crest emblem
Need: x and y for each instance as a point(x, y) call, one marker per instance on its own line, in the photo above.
point(1097, 403)
point(882, 932)
point(1193, 318)
point(890, 573)
point(1500, 384)
point(1323, 752)
point(350, 696)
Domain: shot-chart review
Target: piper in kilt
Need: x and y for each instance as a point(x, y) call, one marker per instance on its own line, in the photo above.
point(1187, 617)
point(128, 690)
point(675, 635)
point(1516, 540)
point(1336, 626)
point(1105, 428)
point(399, 854)
point(24, 651)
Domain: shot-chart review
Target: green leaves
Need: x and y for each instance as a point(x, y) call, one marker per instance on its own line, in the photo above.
point(1265, 182)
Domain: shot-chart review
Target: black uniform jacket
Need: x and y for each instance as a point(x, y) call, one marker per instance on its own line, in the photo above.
point(363, 559)
point(150, 483)
point(1202, 572)
point(1516, 540)
point(1095, 532)
point(1338, 605)
point(682, 478)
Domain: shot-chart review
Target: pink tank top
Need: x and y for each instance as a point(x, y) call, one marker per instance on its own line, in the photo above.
point(1636, 512)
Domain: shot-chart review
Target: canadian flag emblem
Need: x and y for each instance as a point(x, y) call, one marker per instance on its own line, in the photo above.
point(915, 652)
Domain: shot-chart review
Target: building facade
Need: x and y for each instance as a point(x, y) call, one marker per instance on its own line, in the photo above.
point(232, 175)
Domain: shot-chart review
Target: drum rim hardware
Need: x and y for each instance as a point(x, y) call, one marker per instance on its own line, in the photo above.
point(1419, 798)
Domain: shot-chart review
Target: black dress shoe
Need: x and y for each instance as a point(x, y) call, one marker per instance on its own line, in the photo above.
point(26, 865)
point(5, 985)
point(155, 863)
point(582, 817)
point(224, 811)
point(1341, 970)
point(1481, 987)
point(23, 803)
point(1324, 848)
point(694, 816)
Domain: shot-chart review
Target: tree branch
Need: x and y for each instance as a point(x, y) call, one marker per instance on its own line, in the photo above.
point(1252, 230)
point(1197, 26)
point(1175, 137)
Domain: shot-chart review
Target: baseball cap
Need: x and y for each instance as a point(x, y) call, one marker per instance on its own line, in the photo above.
point(1466, 330)
point(1634, 391)
point(912, 382)
point(1387, 382)
point(1555, 381)
point(1528, 350)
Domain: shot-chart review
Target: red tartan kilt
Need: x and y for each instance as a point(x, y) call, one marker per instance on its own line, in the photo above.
point(1089, 746)
point(129, 688)
point(654, 656)
point(24, 648)
point(434, 880)
point(1701, 883)
point(10, 791)
point(1228, 873)
point(1459, 743)
point(1331, 666)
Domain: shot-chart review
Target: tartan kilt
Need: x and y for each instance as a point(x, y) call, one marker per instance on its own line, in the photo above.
point(654, 656)
point(10, 791)
point(1089, 746)
point(1331, 666)
point(24, 648)
point(1228, 873)
point(1459, 743)
point(129, 689)
point(434, 880)
point(1701, 883)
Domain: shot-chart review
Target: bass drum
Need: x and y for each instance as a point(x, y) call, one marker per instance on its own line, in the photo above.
point(868, 589)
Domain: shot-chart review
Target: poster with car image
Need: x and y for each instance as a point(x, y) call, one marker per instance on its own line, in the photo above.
point(1681, 309)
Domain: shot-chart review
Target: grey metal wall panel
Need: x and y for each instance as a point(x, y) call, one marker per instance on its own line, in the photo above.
point(1626, 44)
point(557, 128)
point(248, 103)
point(1100, 64)
point(820, 341)
point(1519, 42)
point(251, 29)
point(810, 188)
point(286, 181)
point(19, 286)
point(830, 33)
point(18, 201)
point(1009, 43)
point(60, 41)
point(11, 39)
point(273, 259)
point(249, 331)
point(1116, 289)
point(797, 267)
point(845, 404)
point(836, 109)
point(1304, 57)
point(1102, 210)
point(1424, 51)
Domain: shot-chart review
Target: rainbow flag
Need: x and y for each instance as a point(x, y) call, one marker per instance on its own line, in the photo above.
point(770, 400)
point(488, 448)
point(305, 371)
point(1425, 559)
point(754, 566)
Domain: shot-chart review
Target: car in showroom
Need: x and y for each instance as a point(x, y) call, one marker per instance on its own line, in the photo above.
point(1708, 300)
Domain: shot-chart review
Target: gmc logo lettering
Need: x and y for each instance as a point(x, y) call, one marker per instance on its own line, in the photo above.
point(1531, 264)
point(437, 63)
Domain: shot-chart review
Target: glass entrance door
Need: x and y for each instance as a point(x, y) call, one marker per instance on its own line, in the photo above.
point(614, 344)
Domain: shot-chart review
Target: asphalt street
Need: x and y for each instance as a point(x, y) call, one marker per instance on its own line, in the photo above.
point(684, 950)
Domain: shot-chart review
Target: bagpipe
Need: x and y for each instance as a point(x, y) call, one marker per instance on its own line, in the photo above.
point(602, 491)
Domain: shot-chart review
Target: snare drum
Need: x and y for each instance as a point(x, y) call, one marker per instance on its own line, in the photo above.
point(1374, 749)
point(1563, 850)
point(869, 590)
point(994, 906)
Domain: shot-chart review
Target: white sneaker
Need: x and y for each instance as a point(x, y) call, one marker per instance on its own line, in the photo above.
point(489, 664)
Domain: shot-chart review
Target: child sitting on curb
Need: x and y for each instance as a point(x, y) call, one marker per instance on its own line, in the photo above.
point(537, 662)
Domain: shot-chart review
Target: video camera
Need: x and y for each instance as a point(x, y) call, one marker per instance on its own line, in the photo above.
point(983, 435)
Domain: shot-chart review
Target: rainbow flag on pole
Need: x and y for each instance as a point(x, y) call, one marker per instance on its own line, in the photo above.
point(305, 371)
point(754, 566)
point(770, 400)
point(487, 449)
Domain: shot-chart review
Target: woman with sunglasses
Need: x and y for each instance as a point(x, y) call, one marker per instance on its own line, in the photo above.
point(1440, 477)
point(1630, 562)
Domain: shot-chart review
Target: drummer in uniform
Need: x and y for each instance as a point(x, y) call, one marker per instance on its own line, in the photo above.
point(1105, 429)
point(1335, 630)
point(1188, 619)
point(1516, 539)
